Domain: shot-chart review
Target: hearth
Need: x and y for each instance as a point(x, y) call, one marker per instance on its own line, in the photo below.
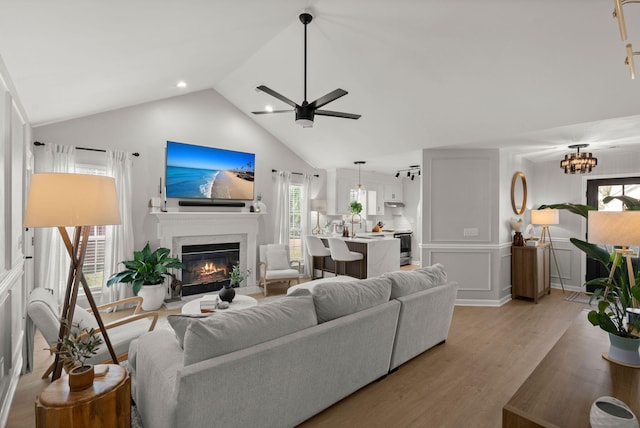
point(207, 266)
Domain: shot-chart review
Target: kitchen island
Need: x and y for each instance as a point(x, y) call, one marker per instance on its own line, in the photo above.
point(381, 254)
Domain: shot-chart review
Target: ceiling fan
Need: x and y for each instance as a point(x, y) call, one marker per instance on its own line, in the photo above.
point(306, 112)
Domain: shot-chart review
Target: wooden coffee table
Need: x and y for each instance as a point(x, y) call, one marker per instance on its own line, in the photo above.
point(239, 302)
point(562, 388)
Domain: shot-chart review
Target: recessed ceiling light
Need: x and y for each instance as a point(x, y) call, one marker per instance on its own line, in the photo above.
point(268, 108)
point(181, 84)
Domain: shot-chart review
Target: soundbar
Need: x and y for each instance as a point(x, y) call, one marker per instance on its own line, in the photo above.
point(210, 204)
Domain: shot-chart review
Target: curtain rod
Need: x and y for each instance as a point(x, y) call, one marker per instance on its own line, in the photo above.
point(38, 143)
point(296, 173)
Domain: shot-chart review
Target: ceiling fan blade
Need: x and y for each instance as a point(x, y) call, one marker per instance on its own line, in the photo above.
point(326, 99)
point(274, 111)
point(337, 114)
point(276, 95)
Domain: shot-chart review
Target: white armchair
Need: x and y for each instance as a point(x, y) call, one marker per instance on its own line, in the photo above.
point(275, 266)
point(44, 312)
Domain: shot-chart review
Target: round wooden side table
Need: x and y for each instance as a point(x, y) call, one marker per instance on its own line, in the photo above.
point(105, 404)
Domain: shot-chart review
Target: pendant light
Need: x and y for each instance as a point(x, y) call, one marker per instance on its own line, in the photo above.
point(361, 189)
point(578, 162)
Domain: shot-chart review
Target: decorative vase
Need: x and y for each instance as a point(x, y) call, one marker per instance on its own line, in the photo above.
point(81, 377)
point(624, 350)
point(227, 293)
point(518, 239)
point(152, 296)
point(607, 412)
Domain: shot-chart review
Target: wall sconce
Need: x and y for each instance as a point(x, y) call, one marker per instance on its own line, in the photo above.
point(412, 171)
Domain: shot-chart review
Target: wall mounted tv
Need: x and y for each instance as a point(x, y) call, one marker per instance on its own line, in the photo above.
point(199, 172)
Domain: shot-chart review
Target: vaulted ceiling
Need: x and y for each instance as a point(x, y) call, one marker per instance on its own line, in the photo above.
point(534, 76)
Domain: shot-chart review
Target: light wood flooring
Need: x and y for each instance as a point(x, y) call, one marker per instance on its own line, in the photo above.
point(464, 382)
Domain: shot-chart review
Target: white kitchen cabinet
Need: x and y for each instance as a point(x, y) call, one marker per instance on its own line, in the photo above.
point(393, 191)
point(372, 202)
point(339, 185)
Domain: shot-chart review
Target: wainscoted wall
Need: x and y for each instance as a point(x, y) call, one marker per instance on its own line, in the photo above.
point(14, 132)
point(462, 221)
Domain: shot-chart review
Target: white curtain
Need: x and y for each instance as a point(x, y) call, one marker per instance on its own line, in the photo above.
point(51, 255)
point(281, 212)
point(118, 244)
point(305, 228)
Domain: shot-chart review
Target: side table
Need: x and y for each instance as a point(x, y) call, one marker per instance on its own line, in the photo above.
point(106, 404)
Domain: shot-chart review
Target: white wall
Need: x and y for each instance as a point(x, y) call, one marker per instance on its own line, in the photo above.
point(202, 118)
point(461, 190)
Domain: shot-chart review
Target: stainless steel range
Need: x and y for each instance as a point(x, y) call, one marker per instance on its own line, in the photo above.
point(405, 246)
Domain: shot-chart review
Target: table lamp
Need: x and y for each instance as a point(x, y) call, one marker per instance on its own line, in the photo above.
point(545, 218)
point(318, 205)
point(73, 200)
point(621, 228)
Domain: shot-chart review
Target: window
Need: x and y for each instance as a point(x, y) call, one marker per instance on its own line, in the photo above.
point(295, 222)
point(93, 266)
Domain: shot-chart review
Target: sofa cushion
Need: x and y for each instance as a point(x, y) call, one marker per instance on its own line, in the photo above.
point(333, 300)
point(306, 288)
point(404, 283)
point(179, 323)
point(226, 332)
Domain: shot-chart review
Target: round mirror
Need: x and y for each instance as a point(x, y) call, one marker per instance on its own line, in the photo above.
point(518, 193)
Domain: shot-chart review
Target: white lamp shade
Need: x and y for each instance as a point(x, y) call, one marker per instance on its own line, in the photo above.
point(60, 199)
point(545, 217)
point(614, 227)
point(318, 205)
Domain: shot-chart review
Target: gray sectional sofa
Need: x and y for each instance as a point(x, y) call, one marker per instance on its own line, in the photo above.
point(279, 363)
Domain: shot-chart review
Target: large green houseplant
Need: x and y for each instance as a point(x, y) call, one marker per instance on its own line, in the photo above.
point(147, 268)
point(615, 298)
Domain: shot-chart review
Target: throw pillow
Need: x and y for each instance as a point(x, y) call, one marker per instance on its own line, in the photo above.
point(277, 257)
point(335, 300)
point(223, 333)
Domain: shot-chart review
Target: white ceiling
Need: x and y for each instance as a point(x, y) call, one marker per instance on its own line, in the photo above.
point(532, 76)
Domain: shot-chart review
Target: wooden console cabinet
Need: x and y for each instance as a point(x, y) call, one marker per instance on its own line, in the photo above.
point(562, 388)
point(530, 272)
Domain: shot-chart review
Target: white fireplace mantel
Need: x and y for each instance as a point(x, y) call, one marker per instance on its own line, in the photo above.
point(173, 227)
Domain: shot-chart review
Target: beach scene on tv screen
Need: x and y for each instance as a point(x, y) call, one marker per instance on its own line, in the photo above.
point(208, 173)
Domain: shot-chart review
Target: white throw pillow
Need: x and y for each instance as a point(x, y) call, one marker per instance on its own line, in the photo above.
point(277, 258)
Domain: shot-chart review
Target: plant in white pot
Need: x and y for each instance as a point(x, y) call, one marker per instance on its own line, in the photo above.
point(146, 274)
point(75, 349)
point(617, 296)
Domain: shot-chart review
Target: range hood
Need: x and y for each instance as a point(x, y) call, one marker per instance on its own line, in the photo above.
point(394, 204)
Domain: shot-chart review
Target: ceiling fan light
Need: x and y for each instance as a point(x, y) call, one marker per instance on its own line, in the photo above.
point(305, 123)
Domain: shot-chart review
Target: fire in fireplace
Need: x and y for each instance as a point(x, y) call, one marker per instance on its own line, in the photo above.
point(207, 266)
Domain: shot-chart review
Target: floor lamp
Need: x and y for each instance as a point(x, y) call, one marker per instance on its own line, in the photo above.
point(545, 218)
point(318, 205)
point(620, 228)
point(73, 200)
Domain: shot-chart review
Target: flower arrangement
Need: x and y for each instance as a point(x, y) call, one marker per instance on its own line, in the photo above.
point(80, 344)
point(516, 225)
point(236, 276)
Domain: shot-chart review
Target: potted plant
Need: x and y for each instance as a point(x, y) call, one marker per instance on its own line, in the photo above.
point(615, 297)
point(80, 344)
point(236, 276)
point(146, 273)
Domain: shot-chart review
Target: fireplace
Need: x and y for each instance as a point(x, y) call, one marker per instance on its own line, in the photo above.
point(207, 266)
point(176, 230)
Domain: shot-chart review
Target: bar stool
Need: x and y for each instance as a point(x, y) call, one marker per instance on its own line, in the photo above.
point(316, 248)
point(341, 253)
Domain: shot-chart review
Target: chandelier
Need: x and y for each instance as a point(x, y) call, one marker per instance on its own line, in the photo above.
point(578, 162)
